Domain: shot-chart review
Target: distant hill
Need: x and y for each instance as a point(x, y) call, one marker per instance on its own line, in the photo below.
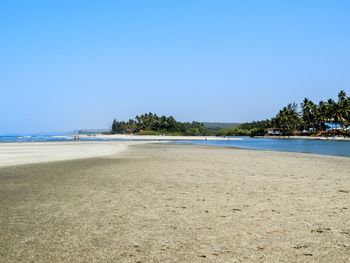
point(220, 125)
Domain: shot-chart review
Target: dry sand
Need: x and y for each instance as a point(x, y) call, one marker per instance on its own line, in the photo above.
point(175, 203)
point(159, 137)
point(37, 152)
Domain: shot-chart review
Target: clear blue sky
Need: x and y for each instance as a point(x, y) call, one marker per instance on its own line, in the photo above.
point(78, 64)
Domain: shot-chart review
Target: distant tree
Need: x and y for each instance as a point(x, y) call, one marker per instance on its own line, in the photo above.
point(255, 125)
point(118, 126)
point(150, 123)
point(311, 116)
point(114, 126)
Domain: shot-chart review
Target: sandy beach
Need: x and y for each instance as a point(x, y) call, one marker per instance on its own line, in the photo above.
point(159, 137)
point(172, 203)
point(39, 152)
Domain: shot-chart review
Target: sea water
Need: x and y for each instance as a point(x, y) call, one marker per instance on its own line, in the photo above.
point(34, 138)
point(324, 147)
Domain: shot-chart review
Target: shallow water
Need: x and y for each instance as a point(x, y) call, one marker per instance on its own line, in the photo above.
point(49, 138)
point(324, 147)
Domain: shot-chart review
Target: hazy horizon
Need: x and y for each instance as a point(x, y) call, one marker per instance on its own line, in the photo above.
point(68, 65)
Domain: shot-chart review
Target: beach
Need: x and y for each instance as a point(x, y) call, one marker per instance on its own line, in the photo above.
point(38, 152)
point(157, 202)
point(159, 137)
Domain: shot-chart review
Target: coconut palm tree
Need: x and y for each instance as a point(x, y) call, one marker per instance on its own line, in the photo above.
point(321, 114)
point(308, 113)
point(343, 107)
point(342, 95)
point(288, 118)
point(331, 111)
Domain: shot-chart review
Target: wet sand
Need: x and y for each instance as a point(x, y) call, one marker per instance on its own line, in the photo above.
point(178, 203)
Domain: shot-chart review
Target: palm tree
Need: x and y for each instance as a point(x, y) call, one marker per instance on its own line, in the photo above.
point(288, 118)
point(343, 107)
point(308, 112)
point(342, 95)
point(321, 114)
point(331, 110)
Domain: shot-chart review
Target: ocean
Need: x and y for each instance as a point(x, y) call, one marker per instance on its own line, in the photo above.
point(324, 147)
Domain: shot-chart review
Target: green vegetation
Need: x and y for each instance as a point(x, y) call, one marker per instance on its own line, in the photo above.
point(152, 124)
point(311, 119)
point(287, 119)
point(255, 128)
point(325, 118)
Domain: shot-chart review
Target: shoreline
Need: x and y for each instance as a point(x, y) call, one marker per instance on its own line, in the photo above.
point(265, 150)
point(158, 137)
point(337, 138)
point(203, 138)
point(18, 153)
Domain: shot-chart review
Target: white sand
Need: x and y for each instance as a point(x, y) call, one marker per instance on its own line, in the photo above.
point(37, 152)
point(158, 137)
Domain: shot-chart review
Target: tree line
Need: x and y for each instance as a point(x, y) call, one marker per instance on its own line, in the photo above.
point(306, 118)
point(310, 118)
point(152, 124)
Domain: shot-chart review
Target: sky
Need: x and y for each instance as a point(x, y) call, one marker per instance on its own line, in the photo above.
point(67, 65)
